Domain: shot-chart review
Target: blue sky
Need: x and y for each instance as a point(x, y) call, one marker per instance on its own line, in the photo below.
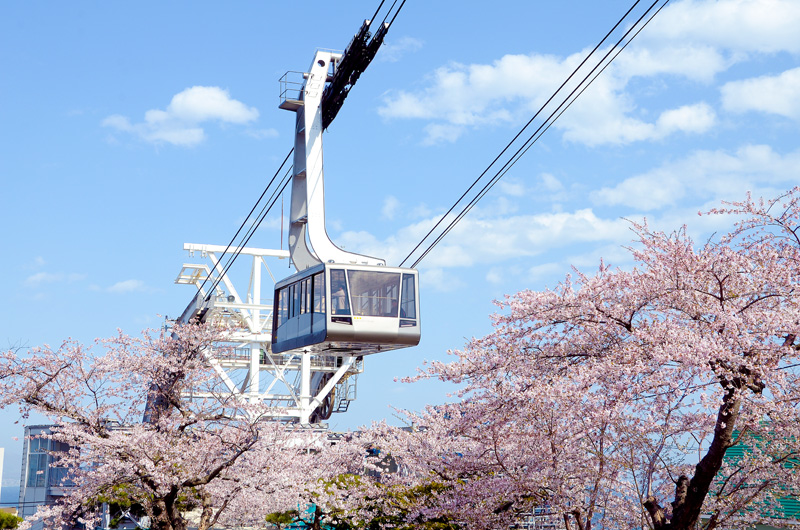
point(127, 130)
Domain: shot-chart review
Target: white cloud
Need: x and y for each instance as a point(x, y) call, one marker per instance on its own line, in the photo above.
point(594, 125)
point(392, 51)
point(420, 211)
point(693, 39)
point(492, 236)
point(127, 286)
point(741, 26)
point(538, 273)
point(441, 132)
point(696, 61)
point(512, 186)
point(41, 278)
point(439, 280)
point(263, 134)
point(551, 183)
point(489, 237)
point(203, 103)
point(705, 176)
point(462, 95)
point(656, 189)
point(36, 263)
point(613, 254)
point(467, 96)
point(778, 94)
point(699, 39)
point(176, 135)
point(390, 207)
point(697, 118)
point(495, 275)
point(179, 123)
point(118, 122)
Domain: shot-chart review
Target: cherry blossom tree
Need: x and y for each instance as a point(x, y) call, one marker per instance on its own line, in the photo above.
point(209, 461)
point(614, 398)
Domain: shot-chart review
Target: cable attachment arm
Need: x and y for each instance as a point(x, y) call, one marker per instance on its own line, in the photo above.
point(356, 58)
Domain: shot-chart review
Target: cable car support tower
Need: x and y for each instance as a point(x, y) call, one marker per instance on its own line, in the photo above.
point(301, 352)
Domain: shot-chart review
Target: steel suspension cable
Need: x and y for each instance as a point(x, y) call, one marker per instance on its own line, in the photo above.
point(230, 243)
point(265, 210)
point(566, 103)
point(377, 10)
point(395, 13)
point(388, 12)
point(252, 230)
point(546, 125)
point(514, 139)
point(538, 134)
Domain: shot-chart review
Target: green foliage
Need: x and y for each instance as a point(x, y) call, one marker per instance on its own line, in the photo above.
point(122, 495)
point(8, 520)
point(393, 509)
point(390, 509)
point(282, 519)
point(121, 498)
point(401, 500)
point(344, 481)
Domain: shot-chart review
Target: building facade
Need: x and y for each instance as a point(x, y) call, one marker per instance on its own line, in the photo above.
point(42, 481)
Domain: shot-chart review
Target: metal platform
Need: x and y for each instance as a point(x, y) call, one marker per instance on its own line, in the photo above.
point(299, 385)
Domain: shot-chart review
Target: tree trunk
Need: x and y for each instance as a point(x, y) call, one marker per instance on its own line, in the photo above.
point(166, 515)
point(207, 513)
point(691, 493)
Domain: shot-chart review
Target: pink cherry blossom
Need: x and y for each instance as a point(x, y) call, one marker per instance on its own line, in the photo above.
point(204, 462)
point(612, 399)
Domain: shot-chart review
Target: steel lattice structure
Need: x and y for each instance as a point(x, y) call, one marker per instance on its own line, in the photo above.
point(297, 385)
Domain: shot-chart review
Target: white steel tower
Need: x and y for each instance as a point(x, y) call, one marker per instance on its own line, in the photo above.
point(300, 385)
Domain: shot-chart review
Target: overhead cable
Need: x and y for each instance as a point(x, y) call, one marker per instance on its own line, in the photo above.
point(377, 10)
point(233, 239)
point(395, 13)
point(252, 230)
point(265, 210)
point(511, 142)
point(533, 138)
point(540, 130)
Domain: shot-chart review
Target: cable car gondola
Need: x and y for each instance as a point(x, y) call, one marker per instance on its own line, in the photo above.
point(347, 308)
point(339, 302)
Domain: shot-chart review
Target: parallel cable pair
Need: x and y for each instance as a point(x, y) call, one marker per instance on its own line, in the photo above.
point(386, 16)
point(265, 209)
point(616, 49)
